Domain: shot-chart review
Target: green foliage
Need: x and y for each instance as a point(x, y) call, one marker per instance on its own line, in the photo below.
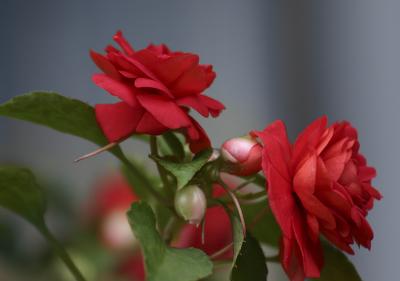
point(337, 266)
point(266, 229)
point(164, 263)
point(238, 238)
point(171, 142)
point(250, 264)
point(184, 172)
point(60, 113)
point(20, 194)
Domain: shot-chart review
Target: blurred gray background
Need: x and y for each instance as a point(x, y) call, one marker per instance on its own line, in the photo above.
point(290, 60)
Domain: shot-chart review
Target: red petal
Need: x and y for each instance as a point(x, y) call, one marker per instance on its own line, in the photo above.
point(313, 227)
point(149, 125)
point(290, 260)
point(325, 139)
point(304, 186)
point(141, 67)
point(118, 121)
point(305, 177)
point(116, 88)
point(105, 65)
point(165, 111)
point(193, 81)
point(323, 180)
point(366, 173)
point(215, 106)
point(335, 165)
point(277, 149)
point(337, 240)
point(309, 138)
point(311, 253)
point(172, 68)
point(281, 200)
point(149, 83)
point(195, 103)
point(123, 43)
point(200, 142)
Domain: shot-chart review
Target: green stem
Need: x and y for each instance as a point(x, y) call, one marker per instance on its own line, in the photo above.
point(252, 195)
point(62, 253)
point(161, 170)
point(144, 180)
point(257, 180)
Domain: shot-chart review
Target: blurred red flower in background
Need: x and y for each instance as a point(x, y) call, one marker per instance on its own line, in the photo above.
point(321, 184)
point(156, 87)
point(217, 231)
point(111, 199)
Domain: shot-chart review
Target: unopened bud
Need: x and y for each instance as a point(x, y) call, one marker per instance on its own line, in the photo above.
point(191, 204)
point(242, 156)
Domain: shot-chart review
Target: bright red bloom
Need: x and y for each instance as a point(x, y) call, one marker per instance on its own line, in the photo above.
point(156, 87)
point(319, 185)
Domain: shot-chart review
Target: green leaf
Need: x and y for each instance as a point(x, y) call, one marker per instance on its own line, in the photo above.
point(20, 194)
point(164, 263)
point(267, 230)
point(60, 113)
point(184, 172)
point(238, 238)
point(250, 264)
point(337, 266)
point(170, 141)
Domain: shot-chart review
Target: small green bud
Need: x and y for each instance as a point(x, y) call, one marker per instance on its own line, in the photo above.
point(191, 204)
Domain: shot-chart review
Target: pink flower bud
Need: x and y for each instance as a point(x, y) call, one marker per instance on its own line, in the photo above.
point(242, 156)
point(191, 204)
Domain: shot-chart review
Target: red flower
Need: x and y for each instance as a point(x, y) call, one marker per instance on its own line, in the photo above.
point(319, 185)
point(156, 87)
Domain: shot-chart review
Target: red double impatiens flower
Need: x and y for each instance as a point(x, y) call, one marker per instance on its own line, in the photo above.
point(319, 185)
point(156, 87)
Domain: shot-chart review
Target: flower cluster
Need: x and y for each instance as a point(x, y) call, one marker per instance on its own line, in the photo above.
point(318, 185)
point(223, 204)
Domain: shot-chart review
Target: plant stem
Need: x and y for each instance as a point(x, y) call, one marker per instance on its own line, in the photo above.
point(257, 180)
point(143, 179)
point(258, 217)
point(61, 252)
point(161, 170)
point(236, 203)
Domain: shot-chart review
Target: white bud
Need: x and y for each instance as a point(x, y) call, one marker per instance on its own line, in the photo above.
point(191, 204)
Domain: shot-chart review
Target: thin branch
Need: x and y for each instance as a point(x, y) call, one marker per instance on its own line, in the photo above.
point(98, 151)
point(221, 251)
point(258, 217)
point(161, 170)
point(203, 225)
point(237, 204)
